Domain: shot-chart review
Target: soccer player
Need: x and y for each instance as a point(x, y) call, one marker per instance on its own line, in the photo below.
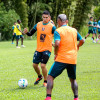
point(90, 25)
point(45, 31)
point(94, 30)
point(19, 34)
point(51, 21)
point(65, 51)
point(98, 29)
point(14, 32)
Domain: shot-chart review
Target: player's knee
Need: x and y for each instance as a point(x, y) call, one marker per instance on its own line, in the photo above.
point(43, 66)
point(35, 65)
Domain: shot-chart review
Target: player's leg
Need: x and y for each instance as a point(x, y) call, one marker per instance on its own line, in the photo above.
point(21, 36)
point(93, 38)
point(71, 70)
point(55, 70)
point(74, 87)
point(44, 72)
point(44, 60)
point(37, 70)
point(12, 39)
point(86, 36)
point(36, 60)
point(96, 37)
point(17, 39)
point(50, 80)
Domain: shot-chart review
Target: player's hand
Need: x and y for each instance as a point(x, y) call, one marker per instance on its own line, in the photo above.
point(77, 48)
point(25, 30)
point(55, 57)
point(53, 44)
point(23, 33)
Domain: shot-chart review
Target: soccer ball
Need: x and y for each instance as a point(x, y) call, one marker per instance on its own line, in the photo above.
point(23, 83)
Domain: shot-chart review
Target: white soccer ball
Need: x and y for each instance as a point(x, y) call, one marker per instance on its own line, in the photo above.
point(23, 83)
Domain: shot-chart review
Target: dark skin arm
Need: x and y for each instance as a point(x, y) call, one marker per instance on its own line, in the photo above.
point(29, 33)
point(56, 47)
point(81, 42)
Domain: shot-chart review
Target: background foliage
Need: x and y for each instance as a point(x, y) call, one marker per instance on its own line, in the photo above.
point(29, 11)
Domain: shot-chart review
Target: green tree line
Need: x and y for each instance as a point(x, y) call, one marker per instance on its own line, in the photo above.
point(30, 11)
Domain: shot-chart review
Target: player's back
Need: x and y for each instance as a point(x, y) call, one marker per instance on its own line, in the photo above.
point(67, 52)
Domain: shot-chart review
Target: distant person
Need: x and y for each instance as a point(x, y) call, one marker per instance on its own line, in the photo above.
point(94, 30)
point(51, 21)
point(45, 31)
point(65, 51)
point(19, 34)
point(14, 32)
point(90, 30)
point(99, 29)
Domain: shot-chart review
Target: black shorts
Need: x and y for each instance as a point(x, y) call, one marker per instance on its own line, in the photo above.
point(42, 57)
point(90, 31)
point(58, 67)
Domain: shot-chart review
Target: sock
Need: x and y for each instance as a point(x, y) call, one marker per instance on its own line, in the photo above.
point(75, 96)
point(93, 38)
point(45, 81)
point(48, 95)
point(39, 76)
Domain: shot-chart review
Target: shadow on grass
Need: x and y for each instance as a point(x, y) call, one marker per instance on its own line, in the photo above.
point(33, 87)
point(29, 87)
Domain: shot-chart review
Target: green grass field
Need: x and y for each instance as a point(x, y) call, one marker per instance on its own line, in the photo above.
point(17, 63)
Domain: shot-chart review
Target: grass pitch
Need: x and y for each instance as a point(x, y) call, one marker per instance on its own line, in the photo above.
point(17, 63)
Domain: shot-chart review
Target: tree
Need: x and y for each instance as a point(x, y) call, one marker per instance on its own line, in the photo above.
point(36, 9)
point(83, 8)
point(22, 10)
point(20, 6)
point(7, 19)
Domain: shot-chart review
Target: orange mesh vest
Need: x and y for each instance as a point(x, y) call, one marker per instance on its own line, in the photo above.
point(67, 52)
point(44, 37)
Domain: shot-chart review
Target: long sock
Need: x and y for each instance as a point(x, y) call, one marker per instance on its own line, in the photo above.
point(93, 38)
point(48, 95)
point(39, 76)
point(45, 81)
point(76, 96)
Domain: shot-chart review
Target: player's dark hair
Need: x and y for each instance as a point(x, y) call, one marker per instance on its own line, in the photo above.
point(91, 17)
point(46, 12)
point(18, 20)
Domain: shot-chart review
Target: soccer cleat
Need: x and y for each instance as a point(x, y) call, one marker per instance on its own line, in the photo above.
point(48, 98)
point(37, 80)
point(12, 42)
point(23, 46)
point(84, 40)
point(94, 41)
point(17, 47)
point(45, 84)
point(76, 99)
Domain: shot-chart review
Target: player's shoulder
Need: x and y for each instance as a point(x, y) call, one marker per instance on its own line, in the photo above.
point(40, 22)
point(50, 24)
point(71, 28)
